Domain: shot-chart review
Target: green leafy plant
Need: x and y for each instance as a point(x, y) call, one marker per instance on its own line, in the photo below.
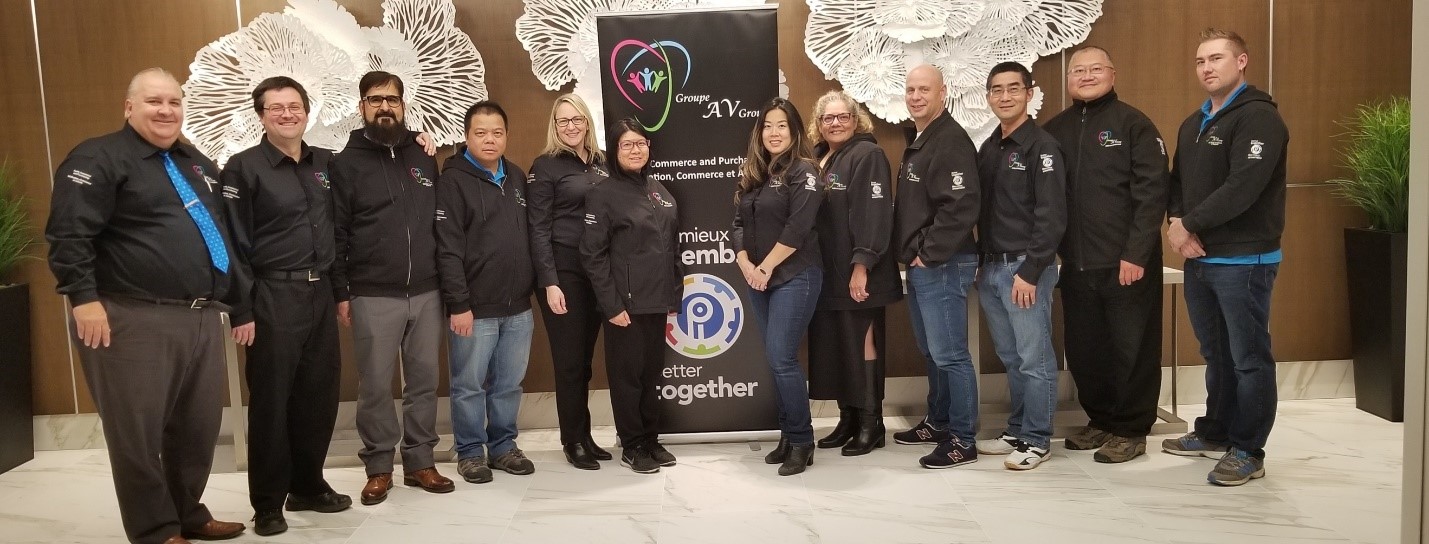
point(16, 237)
point(1377, 160)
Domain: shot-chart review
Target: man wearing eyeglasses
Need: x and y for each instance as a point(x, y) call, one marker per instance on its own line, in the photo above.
point(1111, 259)
point(1024, 211)
point(385, 280)
point(280, 210)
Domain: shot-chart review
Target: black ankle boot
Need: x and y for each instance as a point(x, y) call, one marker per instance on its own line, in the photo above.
point(848, 424)
point(870, 431)
point(800, 456)
point(779, 453)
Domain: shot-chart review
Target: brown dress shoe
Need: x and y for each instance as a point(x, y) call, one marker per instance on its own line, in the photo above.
point(430, 480)
point(215, 530)
point(376, 489)
point(176, 539)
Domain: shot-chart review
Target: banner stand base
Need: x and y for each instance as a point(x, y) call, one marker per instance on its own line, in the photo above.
point(771, 435)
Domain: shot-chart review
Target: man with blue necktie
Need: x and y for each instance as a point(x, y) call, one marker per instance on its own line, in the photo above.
point(139, 244)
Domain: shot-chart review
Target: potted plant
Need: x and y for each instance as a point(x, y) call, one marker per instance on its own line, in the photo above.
point(17, 439)
point(1376, 160)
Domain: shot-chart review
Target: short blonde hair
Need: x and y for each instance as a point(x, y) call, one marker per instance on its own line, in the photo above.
point(863, 124)
point(1237, 42)
point(554, 145)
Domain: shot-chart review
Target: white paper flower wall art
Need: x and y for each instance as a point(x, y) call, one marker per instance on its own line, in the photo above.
point(869, 46)
point(321, 45)
point(560, 36)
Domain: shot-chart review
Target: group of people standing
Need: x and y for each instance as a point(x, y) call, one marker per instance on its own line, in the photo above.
point(152, 244)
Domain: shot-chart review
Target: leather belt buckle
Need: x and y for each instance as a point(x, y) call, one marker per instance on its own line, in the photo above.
point(199, 303)
point(313, 275)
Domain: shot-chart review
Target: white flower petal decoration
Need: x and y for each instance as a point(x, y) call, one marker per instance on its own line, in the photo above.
point(220, 119)
point(869, 46)
point(439, 65)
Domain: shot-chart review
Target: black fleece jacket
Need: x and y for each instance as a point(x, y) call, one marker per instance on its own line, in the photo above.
point(555, 207)
point(383, 203)
point(938, 192)
point(855, 224)
point(483, 254)
point(1116, 183)
point(1228, 179)
point(630, 246)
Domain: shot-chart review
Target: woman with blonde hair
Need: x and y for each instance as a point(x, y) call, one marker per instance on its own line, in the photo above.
point(778, 253)
point(847, 343)
point(561, 176)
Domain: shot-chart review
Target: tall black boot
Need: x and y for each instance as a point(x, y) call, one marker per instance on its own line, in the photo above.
point(870, 432)
point(848, 422)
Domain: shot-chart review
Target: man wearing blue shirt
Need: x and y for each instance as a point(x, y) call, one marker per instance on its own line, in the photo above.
point(1227, 211)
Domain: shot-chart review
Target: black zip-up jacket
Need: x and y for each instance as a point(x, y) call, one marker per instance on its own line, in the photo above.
point(938, 192)
point(117, 225)
point(384, 199)
point(483, 252)
point(630, 246)
point(781, 211)
point(1024, 205)
point(855, 224)
point(1116, 183)
point(555, 207)
point(1228, 181)
point(279, 210)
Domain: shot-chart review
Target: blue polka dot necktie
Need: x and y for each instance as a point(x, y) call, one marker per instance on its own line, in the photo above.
point(217, 252)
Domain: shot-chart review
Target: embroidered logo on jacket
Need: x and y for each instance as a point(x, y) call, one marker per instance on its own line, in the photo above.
point(656, 199)
point(811, 183)
point(590, 219)
point(1161, 143)
point(913, 177)
point(958, 181)
point(206, 178)
point(441, 215)
point(1047, 163)
point(1014, 161)
point(1105, 139)
point(322, 179)
point(420, 178)
point(1213, 140)
point(1256, 146)
point(80, 177)
point(835, 184)
point(520, 198)
point(876, 187)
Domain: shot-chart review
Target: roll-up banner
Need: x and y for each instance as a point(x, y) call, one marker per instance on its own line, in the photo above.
point(696, 80)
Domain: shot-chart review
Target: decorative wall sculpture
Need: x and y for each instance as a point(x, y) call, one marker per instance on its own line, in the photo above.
point(869, 46)
point(320, 44)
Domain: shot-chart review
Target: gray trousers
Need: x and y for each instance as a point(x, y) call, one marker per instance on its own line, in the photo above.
point(159, 390)
point(383, 328)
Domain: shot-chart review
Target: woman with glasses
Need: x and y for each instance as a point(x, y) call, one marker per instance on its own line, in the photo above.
point(561, 177)
point(855, 226)
point(629, 249)
point(778, 252)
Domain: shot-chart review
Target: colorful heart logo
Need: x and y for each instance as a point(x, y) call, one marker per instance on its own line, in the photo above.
point(648, 72)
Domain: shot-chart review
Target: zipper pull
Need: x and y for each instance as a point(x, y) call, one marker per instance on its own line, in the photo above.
point(392, 151)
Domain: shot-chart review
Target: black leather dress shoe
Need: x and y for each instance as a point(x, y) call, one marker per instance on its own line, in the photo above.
point(269, 522)
point(580, 456)
point(596, 450)
point(326, 503)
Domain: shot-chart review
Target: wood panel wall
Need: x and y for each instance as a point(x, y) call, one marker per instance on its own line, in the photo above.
point(1318, 59)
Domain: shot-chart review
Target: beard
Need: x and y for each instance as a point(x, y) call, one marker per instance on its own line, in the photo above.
point(385, 129)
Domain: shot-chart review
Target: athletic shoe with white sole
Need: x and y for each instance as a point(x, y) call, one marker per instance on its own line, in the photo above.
point(1025, 457)
point(1001, 445)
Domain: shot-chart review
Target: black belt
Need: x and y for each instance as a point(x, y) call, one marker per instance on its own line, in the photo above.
point(291, 275)
point(196, 304)
point(1007, 257)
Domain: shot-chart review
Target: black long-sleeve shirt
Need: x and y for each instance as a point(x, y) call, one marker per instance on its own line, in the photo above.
point(781, 211)
point(1024, 203)
point(855, 224)
point(280, 209)
point(555, 208)
point(118, 226)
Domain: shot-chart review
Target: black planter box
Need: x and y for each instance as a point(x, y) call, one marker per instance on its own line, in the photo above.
point(17, 431)
point(1376, 265)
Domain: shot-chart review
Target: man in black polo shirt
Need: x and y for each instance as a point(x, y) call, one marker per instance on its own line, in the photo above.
point(139, 244)
point(278, 205)
point(1024, 211)
point(1111, 259)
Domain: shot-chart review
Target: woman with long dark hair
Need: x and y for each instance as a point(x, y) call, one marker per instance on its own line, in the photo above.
point(629, 251)
point(561, 176)
point(778, 253)
point(855, 226)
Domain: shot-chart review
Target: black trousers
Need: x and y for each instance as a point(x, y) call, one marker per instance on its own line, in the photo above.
point(1113, 346)
point(836, 358)
point(572, 336)
point(293, 372)
point(634, 358)
point(159, 390)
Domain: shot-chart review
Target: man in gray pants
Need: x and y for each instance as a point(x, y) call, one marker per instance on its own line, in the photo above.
point(385, 278)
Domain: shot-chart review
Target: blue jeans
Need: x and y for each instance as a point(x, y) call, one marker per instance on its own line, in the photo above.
point(1023, 338)
point(938, 306)
point(1229, 306)
point(783, 312)
point(487, 369)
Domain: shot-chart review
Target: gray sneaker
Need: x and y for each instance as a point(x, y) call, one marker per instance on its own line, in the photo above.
point(1191, 445)
point(474, 470)
point(1120, 449)
point(514, 462)
point(1236, 467)
point(1089, 438)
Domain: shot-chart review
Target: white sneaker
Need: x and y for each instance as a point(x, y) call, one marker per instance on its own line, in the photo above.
point(1001, 445)
point(1025, 457)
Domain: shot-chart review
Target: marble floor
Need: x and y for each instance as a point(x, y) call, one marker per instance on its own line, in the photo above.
point(1333, 476)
